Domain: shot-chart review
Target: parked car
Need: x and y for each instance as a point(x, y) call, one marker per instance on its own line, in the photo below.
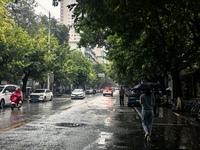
point(41, 95)
point(134, 98)
point(90, 91)
point(5, 93)
point(107, 91)
point(78, 94)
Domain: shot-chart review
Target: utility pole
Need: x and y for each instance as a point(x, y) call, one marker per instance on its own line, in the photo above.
point(49, 42)
point(49, 31)
point(50, 75)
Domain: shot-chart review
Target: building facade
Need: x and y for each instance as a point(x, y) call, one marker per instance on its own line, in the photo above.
point(66, 17)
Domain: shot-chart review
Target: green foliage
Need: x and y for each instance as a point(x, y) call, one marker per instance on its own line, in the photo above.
point(163, 36)
point(14, 44)
point(79, 68)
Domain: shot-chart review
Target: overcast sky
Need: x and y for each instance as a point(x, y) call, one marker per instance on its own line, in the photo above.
point(45, 6)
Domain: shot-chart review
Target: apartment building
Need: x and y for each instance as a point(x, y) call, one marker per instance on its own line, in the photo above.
point(100, 55)
point(66, 17)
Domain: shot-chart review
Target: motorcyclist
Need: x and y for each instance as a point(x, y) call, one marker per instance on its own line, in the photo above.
point(16, 96)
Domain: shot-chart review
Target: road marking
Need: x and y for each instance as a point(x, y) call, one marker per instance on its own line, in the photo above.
point(190, 121)
point(66, 108)
point(138, 112)
point(13, 126)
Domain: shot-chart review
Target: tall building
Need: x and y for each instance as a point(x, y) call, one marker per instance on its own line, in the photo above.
point(66, 17)
point(101, 55)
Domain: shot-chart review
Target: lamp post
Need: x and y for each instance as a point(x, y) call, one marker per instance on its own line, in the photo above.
point(49, 35)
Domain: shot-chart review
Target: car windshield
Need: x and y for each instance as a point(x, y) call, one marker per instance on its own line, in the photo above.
point(39, 91)
point(78, 90)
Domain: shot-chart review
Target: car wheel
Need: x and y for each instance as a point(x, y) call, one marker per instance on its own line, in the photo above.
point(2, 103)
point(44, 99)
point(51, 98)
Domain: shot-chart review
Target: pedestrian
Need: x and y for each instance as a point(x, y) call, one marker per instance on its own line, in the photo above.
point(121, 96)
point(147, 100)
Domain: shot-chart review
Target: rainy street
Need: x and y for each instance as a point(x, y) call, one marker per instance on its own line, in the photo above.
point(95, 123)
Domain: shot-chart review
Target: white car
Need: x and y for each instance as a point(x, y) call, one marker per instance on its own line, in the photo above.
point(90, 91)
point(41, 95)
point(5, 93)
point(78, 94)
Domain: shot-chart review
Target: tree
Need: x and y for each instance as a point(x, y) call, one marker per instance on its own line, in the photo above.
point(41, 59)
point(161, 37)
point(96, 69)
point(23, 13)
point(15, 44)
point(78, 69)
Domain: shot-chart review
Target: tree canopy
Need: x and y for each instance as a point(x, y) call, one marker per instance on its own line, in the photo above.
point(30, 51)
point(144, 38)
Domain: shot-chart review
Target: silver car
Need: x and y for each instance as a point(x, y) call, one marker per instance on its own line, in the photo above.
point(78, 94)
point(90, 91)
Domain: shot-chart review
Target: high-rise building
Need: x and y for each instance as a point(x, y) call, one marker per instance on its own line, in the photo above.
point(66, 17)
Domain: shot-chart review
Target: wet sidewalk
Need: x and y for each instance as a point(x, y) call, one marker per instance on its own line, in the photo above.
point(173, 130)
point(160, 116)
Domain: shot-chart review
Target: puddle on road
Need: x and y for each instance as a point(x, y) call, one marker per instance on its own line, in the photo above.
point(108, 121)
point(104, 136)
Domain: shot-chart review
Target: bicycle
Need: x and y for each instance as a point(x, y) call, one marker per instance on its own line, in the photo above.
point(195, 110)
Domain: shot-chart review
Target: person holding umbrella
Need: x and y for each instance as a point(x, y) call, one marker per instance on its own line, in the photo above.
point(121, 96)
point(147, 100)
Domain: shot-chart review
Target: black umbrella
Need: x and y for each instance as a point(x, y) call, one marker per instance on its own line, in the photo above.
point(147, 85)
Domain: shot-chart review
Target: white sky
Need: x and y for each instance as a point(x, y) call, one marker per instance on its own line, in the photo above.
point(45, 6)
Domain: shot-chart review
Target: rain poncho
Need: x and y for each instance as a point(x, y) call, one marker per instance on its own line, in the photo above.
point(16, 96)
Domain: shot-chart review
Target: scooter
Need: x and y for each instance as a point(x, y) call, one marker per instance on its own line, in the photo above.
point(15, 105)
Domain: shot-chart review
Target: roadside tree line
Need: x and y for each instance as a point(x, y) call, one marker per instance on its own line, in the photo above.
point(146, 39)
point(27, 53)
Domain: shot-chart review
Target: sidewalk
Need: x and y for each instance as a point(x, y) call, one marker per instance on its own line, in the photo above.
point(182, 114)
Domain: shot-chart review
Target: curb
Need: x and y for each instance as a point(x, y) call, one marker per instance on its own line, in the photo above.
point(138, 112)
point(191, 121)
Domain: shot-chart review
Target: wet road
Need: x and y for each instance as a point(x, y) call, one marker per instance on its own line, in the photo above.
point(96, 123)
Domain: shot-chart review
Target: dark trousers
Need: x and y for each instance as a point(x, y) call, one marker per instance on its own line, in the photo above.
point(121, 97)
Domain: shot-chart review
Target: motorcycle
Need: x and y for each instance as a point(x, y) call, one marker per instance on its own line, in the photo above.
point(15, 105)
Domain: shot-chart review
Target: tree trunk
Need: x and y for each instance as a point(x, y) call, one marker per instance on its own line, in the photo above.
point(177, 90)
point(24, 80)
